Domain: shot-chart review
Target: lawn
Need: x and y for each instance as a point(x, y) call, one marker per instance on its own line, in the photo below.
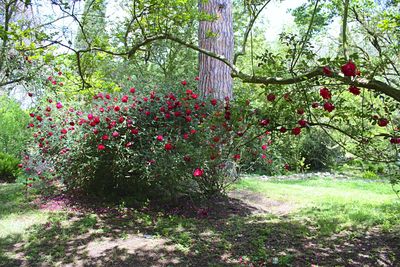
point(317, 221)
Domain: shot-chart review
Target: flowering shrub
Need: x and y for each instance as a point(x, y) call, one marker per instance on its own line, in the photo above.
point(141, 145)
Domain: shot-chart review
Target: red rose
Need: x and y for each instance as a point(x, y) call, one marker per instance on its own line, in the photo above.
point(296, 131)
point(325, 93)
point(115, 134)
point(117, 108)
point(198, 172)
point(283, 130)
point(105, 137)
point(124, 99)
point(315, 105)
point(59, 105)
point(63, 131)
point(271, 97)
point(264, 122)
point(213, 101)
point(134, 131)
point(383, 122)
point(300, 111)
point(101, 147)
point(264, 147)
point(302, 123)
point(329, 106)
point(160, 138)
point(236, 156)
point(183, 82)
point(132, 90)
point(168, 146)
point(349, 69)
point(327, 71)
point(354, 90)
point(30, 94)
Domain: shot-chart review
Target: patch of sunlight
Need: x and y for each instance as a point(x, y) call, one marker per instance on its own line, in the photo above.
point(18, 223)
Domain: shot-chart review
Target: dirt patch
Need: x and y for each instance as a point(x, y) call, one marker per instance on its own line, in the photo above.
point(262, 204)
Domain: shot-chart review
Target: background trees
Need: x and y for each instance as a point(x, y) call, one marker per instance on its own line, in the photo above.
point(157, 42)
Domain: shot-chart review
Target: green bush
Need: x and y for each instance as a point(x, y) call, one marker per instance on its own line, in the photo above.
point(319, 151)
point(13, 122)
point(8, 167)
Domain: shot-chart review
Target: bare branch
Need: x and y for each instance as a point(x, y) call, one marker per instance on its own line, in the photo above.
point(248, 30)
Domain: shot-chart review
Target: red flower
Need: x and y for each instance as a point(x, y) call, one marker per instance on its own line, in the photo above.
point(117, 108)
point(30, 94)
point(296, 131)
point(39, 118)
point(168, 146)
point(354, 90)
point(105, 137)
point(188, 119)
point(194, 96)
point(160, 138)
point(302, 123)
point(315, 105)
point(135, 131)
point(197, 78)
point(115, 134)
point(283, 129)
point(101, 147)
point(236, 156)
point(132, 90)
point(213, 101)
point(264, 122)
point(32, 115)
point(329, 106)
point(263, 156)
point(59, 105)
point(183, 82)
point(63, 131)
point(271, 97)
point(216, 139)
point(325, 93)
point(264, 147)
point(198, 172)
point(300, 111)
point(383, 122)
point(287, 167)
point(349, 69)
point(124, 99)
point(327, 71)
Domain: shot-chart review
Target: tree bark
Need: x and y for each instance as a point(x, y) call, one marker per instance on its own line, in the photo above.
point(216, 36)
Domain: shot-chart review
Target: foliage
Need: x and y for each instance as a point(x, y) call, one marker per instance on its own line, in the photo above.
point(13, 122)
point(8, 167)
point(118, 145)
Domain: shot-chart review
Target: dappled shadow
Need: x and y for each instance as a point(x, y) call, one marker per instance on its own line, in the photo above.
point(223, 231)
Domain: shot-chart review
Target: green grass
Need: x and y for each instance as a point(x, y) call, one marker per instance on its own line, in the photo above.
point(323, 209)
point(333, 205)
point(16, 211)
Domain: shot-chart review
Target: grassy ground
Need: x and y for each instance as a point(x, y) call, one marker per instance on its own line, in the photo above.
point(281, 223)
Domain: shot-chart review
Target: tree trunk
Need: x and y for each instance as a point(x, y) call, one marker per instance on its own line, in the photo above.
point(216, 36)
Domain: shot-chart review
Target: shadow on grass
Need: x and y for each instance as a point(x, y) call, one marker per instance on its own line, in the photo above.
point(220, 232)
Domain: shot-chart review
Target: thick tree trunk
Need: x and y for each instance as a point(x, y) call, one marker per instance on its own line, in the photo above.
point(216, 36)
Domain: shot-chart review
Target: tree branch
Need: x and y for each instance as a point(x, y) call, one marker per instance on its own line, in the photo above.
point(248, 30)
